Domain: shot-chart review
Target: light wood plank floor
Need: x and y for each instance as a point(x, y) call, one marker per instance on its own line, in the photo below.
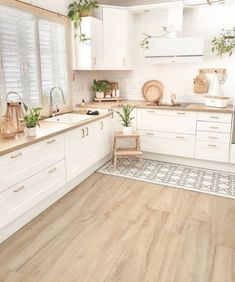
point(117, 229)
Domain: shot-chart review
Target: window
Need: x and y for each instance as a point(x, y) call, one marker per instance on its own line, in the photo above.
point(33, 56)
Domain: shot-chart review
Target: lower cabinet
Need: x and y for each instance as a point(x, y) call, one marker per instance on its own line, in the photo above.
point(168, 143)
point(85, 146)
point(20, 198)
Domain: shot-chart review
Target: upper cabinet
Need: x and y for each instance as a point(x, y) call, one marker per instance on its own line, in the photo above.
point(117, 31)
point(109, 47)
point(89, 54)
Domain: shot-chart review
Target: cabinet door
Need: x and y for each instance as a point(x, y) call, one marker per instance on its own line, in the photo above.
point(232, 159)
point(116, 33)
point(97, 44)
point(212, 151)
point(168, 143)
point(88, 54)
point(167, 121)
point(20, 198)
point(20, 164)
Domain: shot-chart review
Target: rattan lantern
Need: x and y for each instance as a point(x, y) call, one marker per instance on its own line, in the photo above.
point(8, 129)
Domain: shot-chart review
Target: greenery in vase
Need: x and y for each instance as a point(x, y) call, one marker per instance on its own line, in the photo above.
point(77, 10)
point(224, 43)
point(31, 116)
point(125, 114)
point(99, 85)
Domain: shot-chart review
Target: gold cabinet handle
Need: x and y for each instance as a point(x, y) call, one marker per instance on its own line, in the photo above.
point(179, 137)
point(214, 127)
point(83, 132)
point(52, 170)
point(151, 112)
point(87, 131)
point(16, 156)
point(51, 141)
point(181, 113)
point(102, 125)
point(150, 134)
point(214, 117)
point(19, 189)
point(212, 145)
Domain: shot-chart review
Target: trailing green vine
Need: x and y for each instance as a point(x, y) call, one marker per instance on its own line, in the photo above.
point(77, 10)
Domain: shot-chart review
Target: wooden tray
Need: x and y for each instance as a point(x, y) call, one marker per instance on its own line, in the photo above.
point(113, 99)
point(153, 90)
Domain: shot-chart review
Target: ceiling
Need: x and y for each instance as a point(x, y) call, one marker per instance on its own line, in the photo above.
point(133, 2)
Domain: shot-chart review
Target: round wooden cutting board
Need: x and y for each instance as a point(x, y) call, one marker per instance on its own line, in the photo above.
point(153, 90)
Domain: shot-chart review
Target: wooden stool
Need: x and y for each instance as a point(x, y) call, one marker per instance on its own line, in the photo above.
point(126, 152)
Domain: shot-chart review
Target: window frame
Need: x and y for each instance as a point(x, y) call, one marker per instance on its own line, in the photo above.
point(43, 14)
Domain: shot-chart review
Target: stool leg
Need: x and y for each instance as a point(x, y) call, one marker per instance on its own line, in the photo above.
point(115, 162)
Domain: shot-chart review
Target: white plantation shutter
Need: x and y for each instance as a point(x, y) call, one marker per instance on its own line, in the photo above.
point(33, 56)
point(53, 56)
point(18, 56)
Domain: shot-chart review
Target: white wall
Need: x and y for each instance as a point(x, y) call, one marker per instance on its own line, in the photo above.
point(206, 22)
point(58, 6)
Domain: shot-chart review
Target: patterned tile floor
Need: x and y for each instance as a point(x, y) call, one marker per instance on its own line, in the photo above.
point(187, 177)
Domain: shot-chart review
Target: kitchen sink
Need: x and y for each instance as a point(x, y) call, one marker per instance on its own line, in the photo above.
point(68, 118)
point(183, 105)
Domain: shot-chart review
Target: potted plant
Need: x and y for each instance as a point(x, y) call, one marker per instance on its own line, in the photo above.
point(126, 118)
point(79, 9)
point(224, 43)
point(99, 87)
point(31, 118)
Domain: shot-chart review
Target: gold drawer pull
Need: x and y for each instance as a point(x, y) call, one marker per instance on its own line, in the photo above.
point(180, 113)
point(210, 145)
point(214, 127)
point(102, 125)
point(214, 117)
point(151, 112)
point(51, 141)
point(16, 156)
point(213, 137)
point(19, 189)
point(52, 170)
point(179, 137)
point(83, 132)
point(150, 134)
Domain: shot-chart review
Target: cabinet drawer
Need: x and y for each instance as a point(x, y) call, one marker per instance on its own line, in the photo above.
point(168, 143)
point(212, 151)
point(23, 163)
point(214, 126)
point(20, 198)
point(216, 117)
point(167, 121)
point(213, 137)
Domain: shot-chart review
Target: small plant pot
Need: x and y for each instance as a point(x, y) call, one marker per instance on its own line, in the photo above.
point(85, 12)
point(127, 130)
point(31, 131)
point(99, 95)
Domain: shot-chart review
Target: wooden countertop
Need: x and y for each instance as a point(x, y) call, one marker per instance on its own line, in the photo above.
point(46, 130)
point(146, 105)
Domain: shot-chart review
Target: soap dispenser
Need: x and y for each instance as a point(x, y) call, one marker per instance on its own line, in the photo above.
point(83, 107)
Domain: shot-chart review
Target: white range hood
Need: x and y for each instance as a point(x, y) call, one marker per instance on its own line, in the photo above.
point(173, 48)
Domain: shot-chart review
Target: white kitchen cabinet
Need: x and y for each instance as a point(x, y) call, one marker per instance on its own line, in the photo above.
point(215, 117)
point(117, 38)
point(86, 145)
point(168, 143)
point(88, 54)
point(23, 163)
point(23, 196)
point(167, 121)
point(232, 154)
point(214, 126)
point(212, 151)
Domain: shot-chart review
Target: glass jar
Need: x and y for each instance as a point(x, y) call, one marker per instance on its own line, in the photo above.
point(8, 129)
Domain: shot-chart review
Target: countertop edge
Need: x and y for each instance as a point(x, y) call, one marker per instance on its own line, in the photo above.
point(36, 139)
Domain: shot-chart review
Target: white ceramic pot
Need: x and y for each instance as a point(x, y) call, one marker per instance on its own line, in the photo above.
point(99, 95)
point(31, 131)
point(127, 130)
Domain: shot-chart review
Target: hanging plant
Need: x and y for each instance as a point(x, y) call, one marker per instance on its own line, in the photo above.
point(224, 43)
point(79, 9)
point(144, 44)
